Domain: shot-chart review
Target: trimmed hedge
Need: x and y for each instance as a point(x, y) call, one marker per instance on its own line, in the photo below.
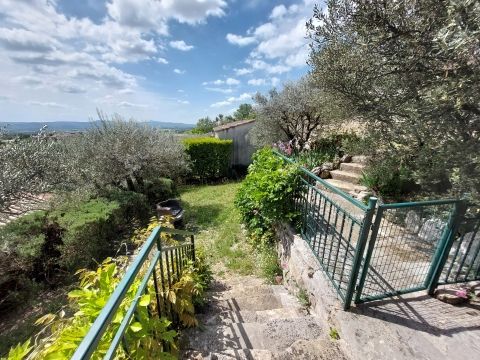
point(210, 157)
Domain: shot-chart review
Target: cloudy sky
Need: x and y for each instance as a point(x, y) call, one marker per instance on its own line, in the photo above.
point(165, 60)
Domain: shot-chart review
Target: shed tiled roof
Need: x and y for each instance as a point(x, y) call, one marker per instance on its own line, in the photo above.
point(233, 124)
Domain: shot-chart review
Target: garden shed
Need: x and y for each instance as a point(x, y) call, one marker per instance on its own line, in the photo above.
point(238, 132)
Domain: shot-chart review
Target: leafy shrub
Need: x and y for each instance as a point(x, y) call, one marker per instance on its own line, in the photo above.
point(210, 157)
point(89, 230)
point(76, 233)
point(132, 205)
point(22, 247)
point(388, 178)
point(159, 190)
point(323, 149)
point(95, 288)
point(265, 196)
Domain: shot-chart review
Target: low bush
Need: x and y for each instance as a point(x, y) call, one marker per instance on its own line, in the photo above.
point(210, 157)
point(158, 190)
point(266, 195)
point(147, 333)
point(389, 179)
point(323, 149)
point(46, 246)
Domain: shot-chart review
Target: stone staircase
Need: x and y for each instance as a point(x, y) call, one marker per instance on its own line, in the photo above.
point(247, 319)
point(347, 178)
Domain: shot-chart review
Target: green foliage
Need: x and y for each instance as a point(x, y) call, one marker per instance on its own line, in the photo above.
point(123, 153)
point(410, 71)
point(389, 179)
point(268, 261)
point(333, 333)
point(210, 157)
point(134, 206)
point(204, 126)
point(265, 197)
point(88, 230)
point(62, 333)
point(297, 114)
point(244, 111)
point(76, 232)
point(158, 190)
point(326, 149)
point(303, 298)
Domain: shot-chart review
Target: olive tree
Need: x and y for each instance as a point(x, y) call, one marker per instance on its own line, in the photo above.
point(411, 71)
point(124, 153)
point(29, 167)
point(297, 113)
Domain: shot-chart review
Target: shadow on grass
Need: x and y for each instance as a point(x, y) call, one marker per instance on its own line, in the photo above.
point(198, 216)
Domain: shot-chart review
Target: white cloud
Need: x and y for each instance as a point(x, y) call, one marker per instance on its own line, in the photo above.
point(178, 71)
point(47, 104)
point(181, 45)
point(183, 102)
point(278, 11)
point(240, 40)
point(126, 104)
point(273, 81)
point(53, 58)
point(232, 100)
point(153, 14)
point(24, 40)
point(229, 81)
point(269, 68)
point(257, 82)
point(221, 90)
point(243, 71)
point(281, 43)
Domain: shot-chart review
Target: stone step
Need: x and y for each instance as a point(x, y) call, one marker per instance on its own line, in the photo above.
point(252, 302)
point(356, 168)
point(241, 354)
point(346, 186)
point(273, 335)
point(247, 316)
point(317, 349)
point(346, 176)
point(242, 290)
point(360, 159)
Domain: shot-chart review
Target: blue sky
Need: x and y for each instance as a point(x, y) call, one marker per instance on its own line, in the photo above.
point(165, 60)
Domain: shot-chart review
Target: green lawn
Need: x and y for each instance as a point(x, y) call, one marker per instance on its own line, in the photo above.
point(211, 214)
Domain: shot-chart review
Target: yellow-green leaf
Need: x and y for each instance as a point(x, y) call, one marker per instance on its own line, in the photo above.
point(144, 300)
point(136, 327)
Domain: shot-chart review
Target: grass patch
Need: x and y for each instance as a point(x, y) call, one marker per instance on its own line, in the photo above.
point(210, 212)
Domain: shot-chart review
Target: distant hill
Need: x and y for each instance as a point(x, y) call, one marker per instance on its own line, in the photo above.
point(76, 126)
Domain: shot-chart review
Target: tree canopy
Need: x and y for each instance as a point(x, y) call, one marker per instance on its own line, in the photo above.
point(297, 113)
point(410, 70)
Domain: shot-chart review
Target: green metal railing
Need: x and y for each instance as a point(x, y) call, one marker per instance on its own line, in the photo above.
point(335, 226)
point(154, 261)
point(371, 252)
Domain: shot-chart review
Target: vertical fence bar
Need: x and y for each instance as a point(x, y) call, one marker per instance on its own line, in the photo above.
point(192, 241)
point(368, 256)
point(444, 246)
point(357, 260)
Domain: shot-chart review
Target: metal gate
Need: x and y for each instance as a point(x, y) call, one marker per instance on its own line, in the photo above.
point(408, 248)
point(371, 252)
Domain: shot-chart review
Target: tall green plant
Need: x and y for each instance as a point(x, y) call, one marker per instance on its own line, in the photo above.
point(266, 195)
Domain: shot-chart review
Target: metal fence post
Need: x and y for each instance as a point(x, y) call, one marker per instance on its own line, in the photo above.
point(192, 241)
point(444, 246)
point(368, 256)
point(359, 249)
